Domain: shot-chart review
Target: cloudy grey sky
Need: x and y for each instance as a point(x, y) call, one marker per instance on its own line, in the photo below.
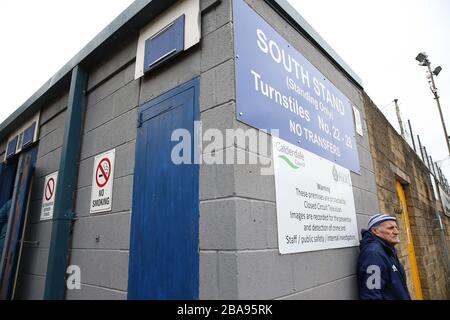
point(40, 37)
point(378, 40)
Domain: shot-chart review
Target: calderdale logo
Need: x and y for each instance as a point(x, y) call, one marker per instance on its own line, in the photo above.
point(294, 158)
point(289, 162)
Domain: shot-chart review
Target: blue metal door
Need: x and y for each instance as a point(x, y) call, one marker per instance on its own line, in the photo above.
point(164, 222)
point(16, 222)
point(7, 175)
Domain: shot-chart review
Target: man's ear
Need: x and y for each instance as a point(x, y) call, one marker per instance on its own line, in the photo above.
point(374, 231)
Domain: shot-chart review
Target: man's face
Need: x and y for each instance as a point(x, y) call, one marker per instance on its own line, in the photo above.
point(388, 231)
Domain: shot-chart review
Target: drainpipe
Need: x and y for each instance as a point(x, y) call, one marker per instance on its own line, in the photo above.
point(399, 118)
point(55, 283)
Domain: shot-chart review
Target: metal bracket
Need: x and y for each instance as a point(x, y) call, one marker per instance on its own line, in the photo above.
point(33, 243)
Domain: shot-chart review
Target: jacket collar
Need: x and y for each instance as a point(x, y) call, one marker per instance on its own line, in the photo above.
point(391, 250)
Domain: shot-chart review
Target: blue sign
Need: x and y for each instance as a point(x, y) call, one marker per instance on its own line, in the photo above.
point(277, 88)
point(164, 45)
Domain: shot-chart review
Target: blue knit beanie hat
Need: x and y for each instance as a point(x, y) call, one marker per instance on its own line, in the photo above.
point(379, 218)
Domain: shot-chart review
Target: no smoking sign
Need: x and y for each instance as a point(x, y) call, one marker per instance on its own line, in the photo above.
point(102, 182)
point(49, 189)
point(103, 172)
point(48, 197)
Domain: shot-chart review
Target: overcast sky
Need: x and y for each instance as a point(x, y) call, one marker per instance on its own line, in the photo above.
point(39, 37)
point(377, 39)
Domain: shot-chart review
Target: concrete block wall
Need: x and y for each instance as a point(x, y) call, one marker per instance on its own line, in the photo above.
point(239, 256)
point(238, 200)
point(100, 242)
point(218, 204)
point(33, 264)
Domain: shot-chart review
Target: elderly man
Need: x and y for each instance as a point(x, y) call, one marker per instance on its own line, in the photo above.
point(380, 274)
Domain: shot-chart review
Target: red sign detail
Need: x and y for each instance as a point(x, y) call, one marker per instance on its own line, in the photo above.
point(49, 189)
point(103, 172)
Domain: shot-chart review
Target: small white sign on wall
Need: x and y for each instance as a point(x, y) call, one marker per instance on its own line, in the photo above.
point(48, 196)
point(192, 32)
point(445, 199)
point(102, 182)
point(358, 123)
point(314, 200)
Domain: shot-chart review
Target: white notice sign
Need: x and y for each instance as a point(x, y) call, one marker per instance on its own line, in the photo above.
point(358, 124)
point(445, 199)
point(48, 197)
point(102, 182)
point(315, 205)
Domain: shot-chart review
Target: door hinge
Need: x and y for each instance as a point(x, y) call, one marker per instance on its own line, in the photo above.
point(139, 120)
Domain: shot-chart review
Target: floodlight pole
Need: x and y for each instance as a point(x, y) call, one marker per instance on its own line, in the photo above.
point(436, 97)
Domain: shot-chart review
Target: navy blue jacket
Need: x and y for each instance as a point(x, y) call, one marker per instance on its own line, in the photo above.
point(377, 257)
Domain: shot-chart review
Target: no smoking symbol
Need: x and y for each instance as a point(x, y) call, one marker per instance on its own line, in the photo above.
point(103, 172)
point(49, 189)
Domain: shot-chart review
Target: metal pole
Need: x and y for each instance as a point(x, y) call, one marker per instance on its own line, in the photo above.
point(436, 97)
point(432, 166)
point(399, 118)
point(412, 135)
point(426, 157)
point(440, 175)
point(55, 283)
point(420, 146)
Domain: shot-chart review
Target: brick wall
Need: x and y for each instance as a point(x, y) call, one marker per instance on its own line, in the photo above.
point(394, 159)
